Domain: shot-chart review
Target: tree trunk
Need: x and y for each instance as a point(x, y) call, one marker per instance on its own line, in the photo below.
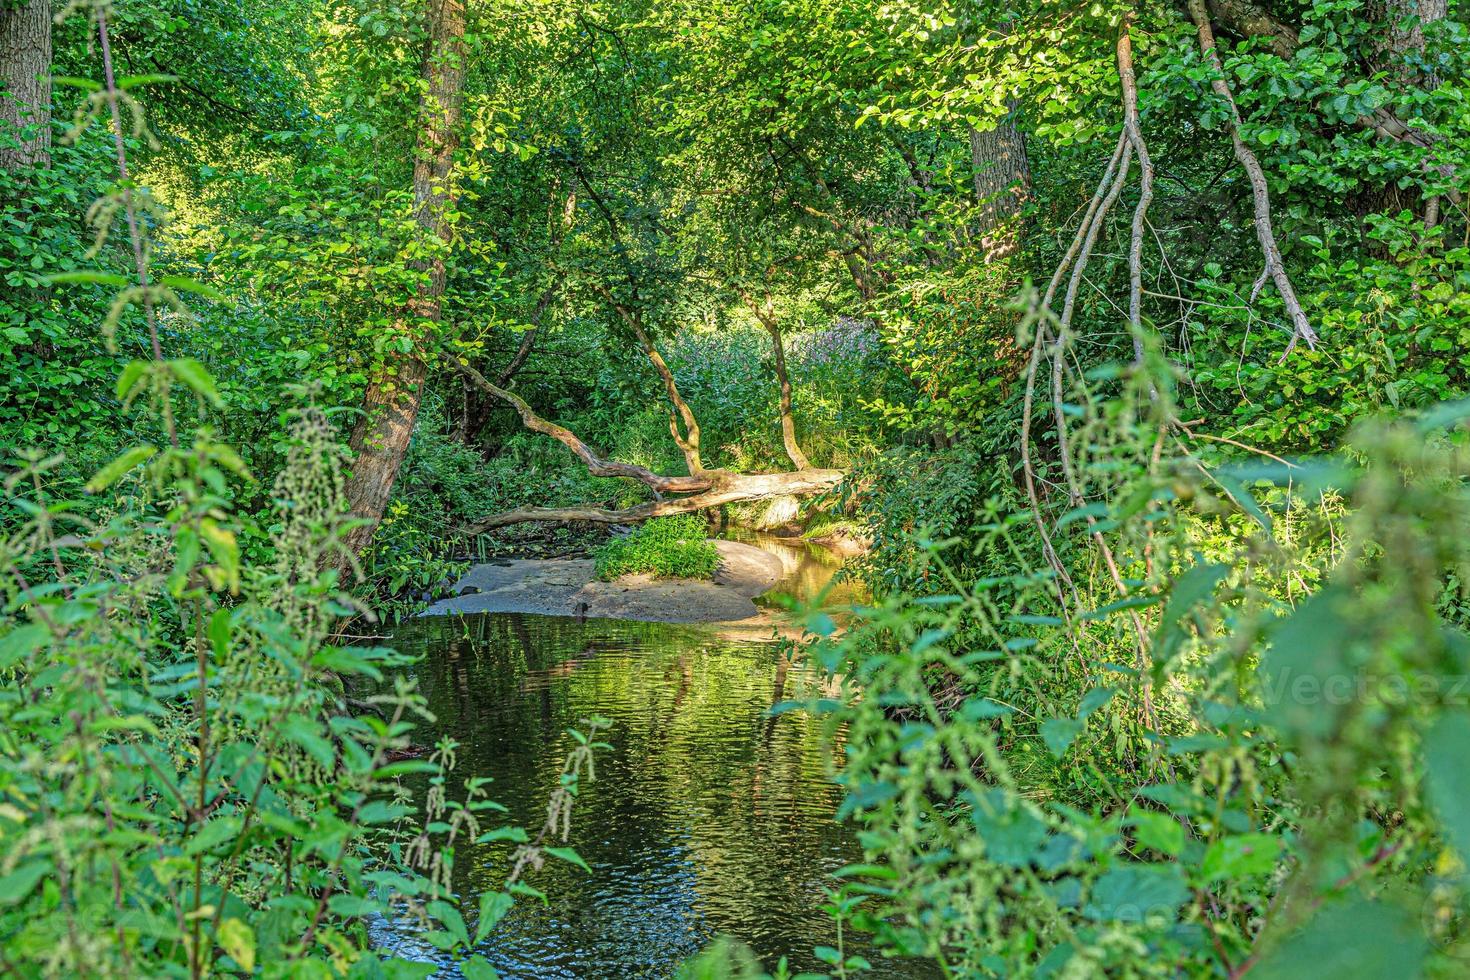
point(788, 424)
point(765, 312)
point(679, 410)
point(1002, 178)
point(25, 77)
point(391, 403)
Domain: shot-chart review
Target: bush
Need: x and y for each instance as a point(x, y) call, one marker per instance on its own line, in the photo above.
point(669, 547)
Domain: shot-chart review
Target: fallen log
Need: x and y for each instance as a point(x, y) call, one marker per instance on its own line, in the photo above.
point(709, 488)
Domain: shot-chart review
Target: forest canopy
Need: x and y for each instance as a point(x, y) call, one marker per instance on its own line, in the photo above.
point(1126, 341)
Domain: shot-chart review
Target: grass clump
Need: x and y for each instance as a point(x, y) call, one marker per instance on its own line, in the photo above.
point(669, 547)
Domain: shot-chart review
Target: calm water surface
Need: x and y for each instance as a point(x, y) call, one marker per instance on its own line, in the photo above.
point(708, 817)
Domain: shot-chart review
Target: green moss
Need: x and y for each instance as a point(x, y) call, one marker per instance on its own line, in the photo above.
point(669, 547)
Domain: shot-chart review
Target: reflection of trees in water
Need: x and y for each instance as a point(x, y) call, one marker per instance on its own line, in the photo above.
point(706, 788)
point(806, 569)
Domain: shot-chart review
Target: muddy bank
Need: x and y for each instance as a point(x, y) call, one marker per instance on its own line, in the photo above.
point(567, 588)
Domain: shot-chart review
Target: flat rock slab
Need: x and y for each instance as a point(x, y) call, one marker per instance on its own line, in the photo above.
point(559, 587)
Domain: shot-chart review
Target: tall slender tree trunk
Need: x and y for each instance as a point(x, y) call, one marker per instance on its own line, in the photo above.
point(1002, 179)
point(788, 423)
point(25, 78)
point(765, 312)
point(391, 403)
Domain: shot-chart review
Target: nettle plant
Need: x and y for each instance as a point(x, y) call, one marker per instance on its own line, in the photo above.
point(183, 790)
point(1212, 721)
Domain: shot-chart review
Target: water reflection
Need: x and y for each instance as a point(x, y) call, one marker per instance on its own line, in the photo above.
point(709, 816)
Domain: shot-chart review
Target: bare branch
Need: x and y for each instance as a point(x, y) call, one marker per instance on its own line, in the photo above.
point(596, 465)
point(1133, 129)
point(688, 442)
point(1302, 327)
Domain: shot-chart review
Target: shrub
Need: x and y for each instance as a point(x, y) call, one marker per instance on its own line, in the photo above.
point(669, 547)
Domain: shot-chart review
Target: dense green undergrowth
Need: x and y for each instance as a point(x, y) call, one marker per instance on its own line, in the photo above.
point(1164, 671)
point(666, 547)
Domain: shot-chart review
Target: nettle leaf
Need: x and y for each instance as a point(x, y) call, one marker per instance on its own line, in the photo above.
point(135, 81)
point(1242, 856)
point(1360, 939)
point(1160, 831)
point(1137, 892)
point(19, 883)
point(237, 939)
point(1190, 589)
point(1060, 733)
point(212, 835)
point(193, 286)
point(568, 855)
point(21, 642)
point(448, 916)
point(87, 278)
point(120, 467)
point(130, 376)
point(1446, 749)
point(197, 378)
point(493, 907)
point(478, 968)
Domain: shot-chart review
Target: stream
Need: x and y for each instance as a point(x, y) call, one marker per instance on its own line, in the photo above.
point(708, 817)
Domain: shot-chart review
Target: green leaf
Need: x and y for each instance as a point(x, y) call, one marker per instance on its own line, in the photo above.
point(119, 468)
point(193, 286)
point(18, 884)
point(238, 941)
point(1360, 940)
point(568, 855)
point(1241, 856)
point(1446, 749)
point(1243, 498)
point(1059, 734)
point(87, 278)
point(212, 835)
point(71, 81)
point(196, 377)
point(133, 81)
point(1189, 590)
point(493, 907)
point(130, 377)
point(478, 968)
point(516, 834)
point(1136, 892)
point(219, 632)
point(1160, 831)
point(21, 642)
point(449, 917)
point(307, 734)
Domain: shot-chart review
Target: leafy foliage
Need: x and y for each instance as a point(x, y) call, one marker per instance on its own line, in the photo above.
point(668, 547)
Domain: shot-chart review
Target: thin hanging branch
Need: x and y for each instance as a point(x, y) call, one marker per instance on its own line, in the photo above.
point(1260, 192)
point(1133, 129)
